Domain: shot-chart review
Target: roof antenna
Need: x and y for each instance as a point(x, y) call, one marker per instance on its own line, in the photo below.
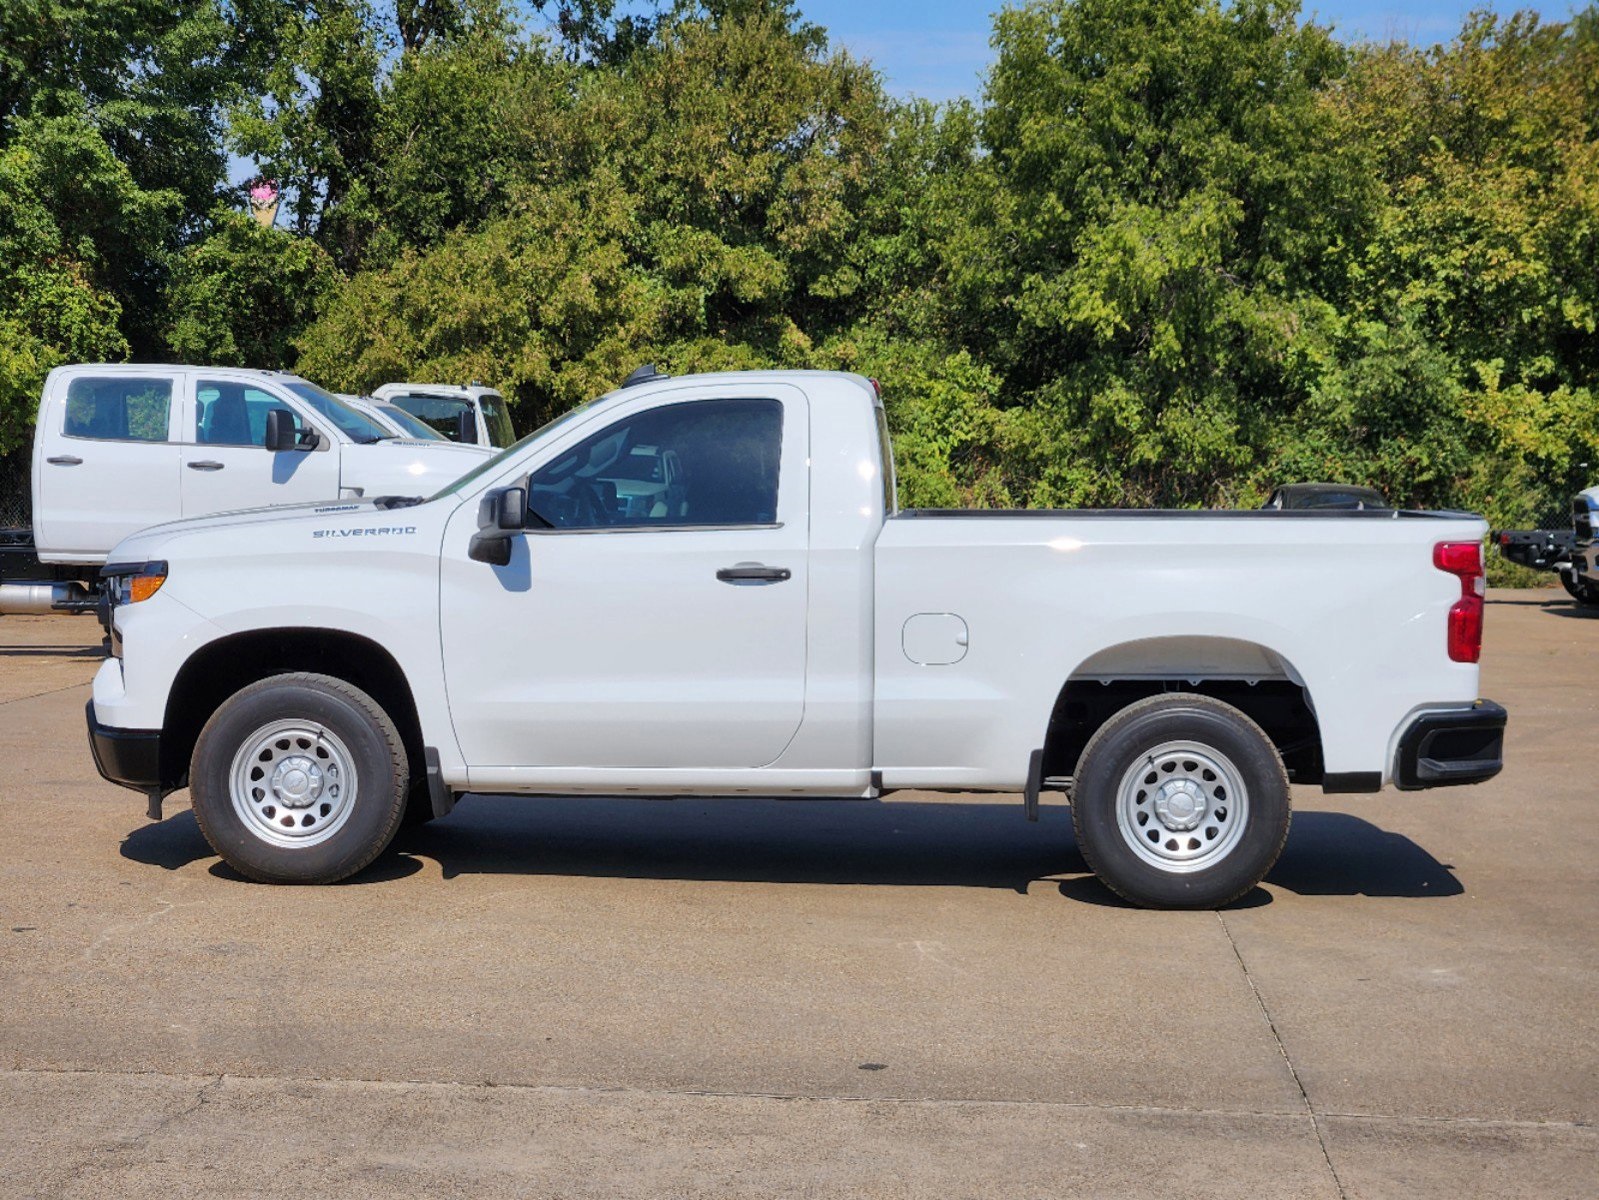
point(645, 374)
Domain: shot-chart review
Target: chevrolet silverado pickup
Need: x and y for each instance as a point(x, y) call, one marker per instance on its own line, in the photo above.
point(703, 586)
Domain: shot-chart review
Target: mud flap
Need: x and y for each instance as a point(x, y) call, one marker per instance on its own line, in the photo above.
point(438, 792)
point(1035, 784)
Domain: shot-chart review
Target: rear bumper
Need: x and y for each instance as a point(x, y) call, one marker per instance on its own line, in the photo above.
point(1453, 746)
point(130, 757)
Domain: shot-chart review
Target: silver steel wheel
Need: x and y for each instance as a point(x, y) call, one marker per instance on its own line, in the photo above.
point(293, 783)
point(1182, 807)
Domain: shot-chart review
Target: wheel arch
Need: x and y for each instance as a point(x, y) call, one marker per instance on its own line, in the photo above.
point(1254, 678)
point(222, 667)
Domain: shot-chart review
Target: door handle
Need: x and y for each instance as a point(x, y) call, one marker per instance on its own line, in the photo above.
point(207, 464)
point(65, 460)
point(754, 573)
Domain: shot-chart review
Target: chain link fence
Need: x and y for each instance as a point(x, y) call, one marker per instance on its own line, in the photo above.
point(16, 494)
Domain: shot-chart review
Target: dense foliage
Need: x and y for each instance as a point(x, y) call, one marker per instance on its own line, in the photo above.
point(1178, 252)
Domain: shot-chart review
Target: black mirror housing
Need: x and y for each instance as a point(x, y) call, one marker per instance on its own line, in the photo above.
point(501, 515)
point(466, 427)
point(510, 509)
point(491, 548)
point(282, 435)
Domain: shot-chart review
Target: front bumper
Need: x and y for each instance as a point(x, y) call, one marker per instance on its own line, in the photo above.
point(1453, 746)
point(130, 757)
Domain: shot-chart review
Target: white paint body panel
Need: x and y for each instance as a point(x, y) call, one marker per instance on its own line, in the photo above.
point(1352, 609)
point(614, 661)
point(639, 656)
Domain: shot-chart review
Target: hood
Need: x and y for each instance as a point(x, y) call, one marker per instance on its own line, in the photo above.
point(147, 543)
point(402, 467)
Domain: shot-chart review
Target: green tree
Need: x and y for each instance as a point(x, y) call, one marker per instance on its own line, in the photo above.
point(240, 297)
point(311, 126)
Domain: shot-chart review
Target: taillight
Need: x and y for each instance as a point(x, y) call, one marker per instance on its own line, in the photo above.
point(1464, 559)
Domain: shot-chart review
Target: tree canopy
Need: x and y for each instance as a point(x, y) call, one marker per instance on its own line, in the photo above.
point(1176, 253)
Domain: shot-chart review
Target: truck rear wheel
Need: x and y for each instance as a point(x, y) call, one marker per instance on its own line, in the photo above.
point(1180, 801)
point(299, 779)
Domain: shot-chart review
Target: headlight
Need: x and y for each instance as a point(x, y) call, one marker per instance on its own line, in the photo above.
point(132, 582)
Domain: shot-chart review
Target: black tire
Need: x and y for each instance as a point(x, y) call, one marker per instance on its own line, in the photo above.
point(1580, 590)
point(365, 815)
point(1236, 745)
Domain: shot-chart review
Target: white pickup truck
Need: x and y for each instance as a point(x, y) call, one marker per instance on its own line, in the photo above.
point(119, 448)
point(471, 414)
point(702, 586)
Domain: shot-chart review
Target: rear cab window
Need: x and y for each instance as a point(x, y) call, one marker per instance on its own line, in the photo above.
point(119, 409)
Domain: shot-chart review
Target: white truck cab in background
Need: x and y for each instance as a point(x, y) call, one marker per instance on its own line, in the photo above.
point(472, 414)
point(704, 586)
point(119, 448)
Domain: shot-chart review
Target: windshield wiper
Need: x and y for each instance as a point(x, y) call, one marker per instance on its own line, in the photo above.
point(396, 501)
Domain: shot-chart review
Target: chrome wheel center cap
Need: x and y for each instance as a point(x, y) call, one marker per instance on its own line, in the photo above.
point(1180, 804)
point(297, 782)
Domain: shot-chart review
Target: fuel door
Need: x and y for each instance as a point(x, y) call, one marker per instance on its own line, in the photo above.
point(935, 639)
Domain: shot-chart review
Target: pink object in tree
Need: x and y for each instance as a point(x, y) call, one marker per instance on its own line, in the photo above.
point(264, 201)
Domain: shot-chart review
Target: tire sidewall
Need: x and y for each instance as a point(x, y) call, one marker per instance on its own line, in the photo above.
point(1121, 744)
point(1582, 591)
point(375, 812)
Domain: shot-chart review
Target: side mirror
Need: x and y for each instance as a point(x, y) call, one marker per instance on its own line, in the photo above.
point(466, 427)
point(500, 516)
point(282, 435)
point(510, 509)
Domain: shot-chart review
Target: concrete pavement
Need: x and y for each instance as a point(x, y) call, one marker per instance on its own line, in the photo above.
point(921, 997)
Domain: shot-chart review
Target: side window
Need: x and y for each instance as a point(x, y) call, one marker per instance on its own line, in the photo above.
point(233, 414)
point(118, 410)
point(706, 462)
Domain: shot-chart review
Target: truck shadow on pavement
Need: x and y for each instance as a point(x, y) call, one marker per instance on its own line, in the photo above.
point(860, 842)
point(1551, 600)
point(51, 652)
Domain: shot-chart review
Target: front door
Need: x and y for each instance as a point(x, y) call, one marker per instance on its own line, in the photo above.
point(659, 620)
point(227, 465)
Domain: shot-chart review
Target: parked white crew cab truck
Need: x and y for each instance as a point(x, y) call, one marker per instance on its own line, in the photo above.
point(578, 616)
point(119, 448)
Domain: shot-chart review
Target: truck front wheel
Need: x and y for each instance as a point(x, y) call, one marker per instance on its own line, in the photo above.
point(1582, 591)
point(299, 779)
point(1180, 801)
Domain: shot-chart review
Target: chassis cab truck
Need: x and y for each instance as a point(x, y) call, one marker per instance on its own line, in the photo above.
point(121, 447)
point(703, 586)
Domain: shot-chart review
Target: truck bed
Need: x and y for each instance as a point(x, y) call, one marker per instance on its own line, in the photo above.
point(1345, 604)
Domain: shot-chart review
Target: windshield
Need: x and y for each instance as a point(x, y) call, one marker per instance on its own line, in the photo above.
point(489, 465)
point(356, 426)
point(443, 413)
point(417, 429)
point(497, 419)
